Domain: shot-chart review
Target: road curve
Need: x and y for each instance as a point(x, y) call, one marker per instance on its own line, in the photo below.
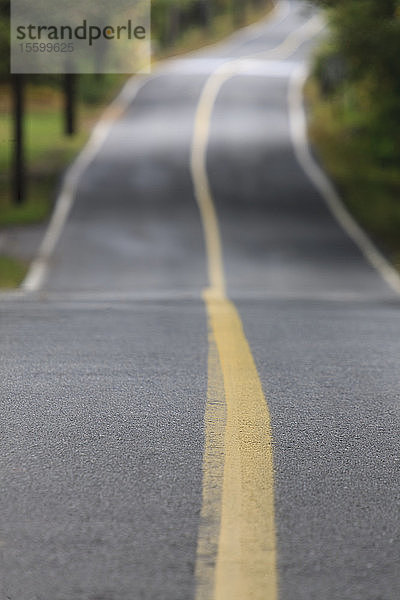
point(200, 382)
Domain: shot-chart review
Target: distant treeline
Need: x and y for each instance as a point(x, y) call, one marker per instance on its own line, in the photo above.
point(362, 63)
point(170, 20)
point(172, 17)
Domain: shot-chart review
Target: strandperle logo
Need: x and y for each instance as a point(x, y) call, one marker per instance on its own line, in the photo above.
point(80, 36)
point(85, 31)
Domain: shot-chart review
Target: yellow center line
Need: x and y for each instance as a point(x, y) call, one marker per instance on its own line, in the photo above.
point(236, 553)
point(246, 556)
point(215, 423)
point(236, 556)
point(201, 184)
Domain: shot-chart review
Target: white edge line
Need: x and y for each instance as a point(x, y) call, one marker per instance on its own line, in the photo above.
point(39, 266)
point(298, 131)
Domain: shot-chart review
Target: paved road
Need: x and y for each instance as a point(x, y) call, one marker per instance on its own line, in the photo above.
point(140, 413)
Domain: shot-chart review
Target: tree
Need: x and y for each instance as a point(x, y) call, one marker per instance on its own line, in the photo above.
point(366, 40)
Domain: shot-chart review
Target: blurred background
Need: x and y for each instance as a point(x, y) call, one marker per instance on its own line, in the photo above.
point(353, 98)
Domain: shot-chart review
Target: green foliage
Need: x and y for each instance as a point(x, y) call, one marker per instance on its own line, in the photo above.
point(362, 65)
point(370, 188)
point(355, 122)
point(12, 272)
point(169, 18)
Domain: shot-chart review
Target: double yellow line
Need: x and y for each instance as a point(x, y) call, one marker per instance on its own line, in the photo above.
point(236, 554)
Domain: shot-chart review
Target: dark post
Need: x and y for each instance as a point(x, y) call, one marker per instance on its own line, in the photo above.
point(69, 98)
point(174, 24)
point(239, 11)
point(206, 13)
point(19, 171)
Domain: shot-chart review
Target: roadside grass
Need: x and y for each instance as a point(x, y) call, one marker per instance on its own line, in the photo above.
point(12, 272)
point(370, 190)
point(47, 153)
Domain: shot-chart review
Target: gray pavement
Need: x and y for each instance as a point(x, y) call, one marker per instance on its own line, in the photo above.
point(104, 369)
